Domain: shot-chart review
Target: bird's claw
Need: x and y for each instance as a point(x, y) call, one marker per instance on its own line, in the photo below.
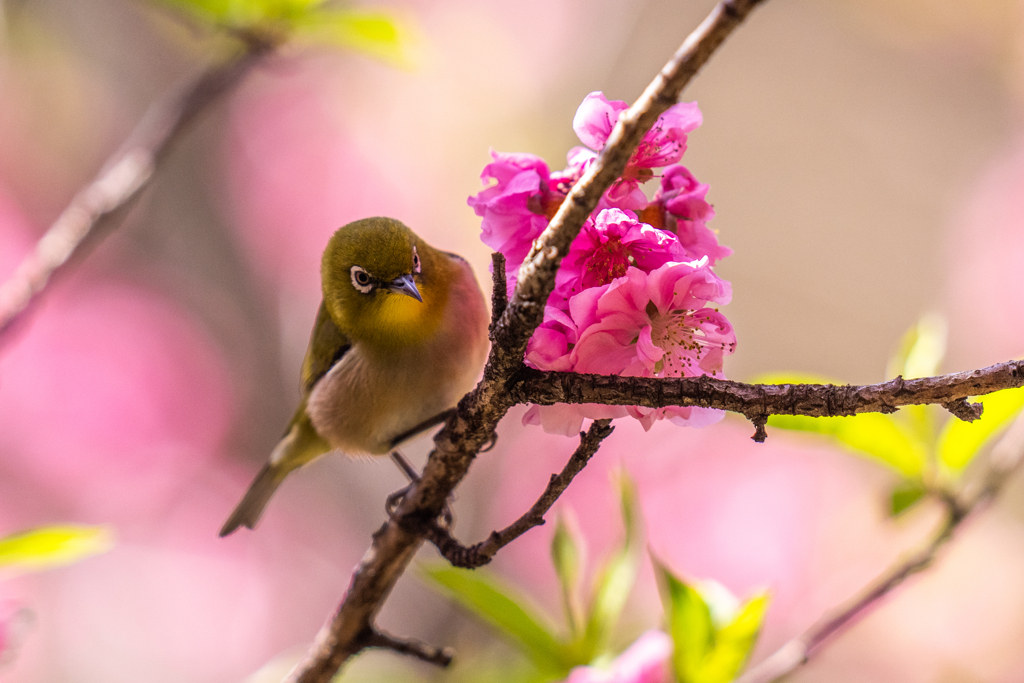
point(392, 502)
point(491, 443)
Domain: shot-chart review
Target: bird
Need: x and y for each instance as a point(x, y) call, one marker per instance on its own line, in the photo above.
point(399, 338)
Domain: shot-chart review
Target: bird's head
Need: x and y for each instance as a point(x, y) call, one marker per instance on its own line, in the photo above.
point(381, 282)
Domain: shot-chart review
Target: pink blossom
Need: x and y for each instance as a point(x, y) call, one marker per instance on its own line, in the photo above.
point(663, 144)
point(682, 198)
point(653, 324)
point(514, 207)
point(645, 661)
point(656, 324)
point(607, 246)
point(595, 118)
point(566, 419)
point(552, 341)
point(617, 307)
point(578, 160)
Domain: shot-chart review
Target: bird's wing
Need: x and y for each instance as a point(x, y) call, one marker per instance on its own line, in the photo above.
point(301, 443)
point(327, 345)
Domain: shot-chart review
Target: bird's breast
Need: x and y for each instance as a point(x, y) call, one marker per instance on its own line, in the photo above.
point(377, 392)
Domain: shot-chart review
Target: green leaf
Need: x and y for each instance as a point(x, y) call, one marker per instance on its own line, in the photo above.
point(792, 378)
point(724, 606)
point(960, 441)
point(689, 624)
point(53, 546)
point(249, 12)
point(615, 580)
point(500, 606)
point(710, 645)
point(921, 350)
point(906, 495)
point(224, 12)
point(374, 34)
point(734, 642)
point(878, 436)
point(567, 555)
point(919, 355)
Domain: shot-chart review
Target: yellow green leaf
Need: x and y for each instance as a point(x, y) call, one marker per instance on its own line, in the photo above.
point(616, 578)
point(905, 496)
point(734, 642)
point(921, 350)
point(374, 34)
point(960, 441)
point(919, 355)
point(52, 546)
point(567, 553)
point(877, 436)
point(224, 12)
point(689, 624)
point(792, 378)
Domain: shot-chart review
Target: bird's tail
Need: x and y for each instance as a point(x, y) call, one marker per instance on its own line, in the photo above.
point(300, 445)
point(250, 509)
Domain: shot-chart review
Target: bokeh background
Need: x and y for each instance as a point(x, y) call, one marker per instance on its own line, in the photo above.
point(866, 163)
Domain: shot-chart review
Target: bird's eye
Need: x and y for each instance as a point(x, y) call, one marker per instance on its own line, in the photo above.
point(361, 280)
point(415, 261)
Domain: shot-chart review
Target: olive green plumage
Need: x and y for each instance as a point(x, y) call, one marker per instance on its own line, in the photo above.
point(400, 336)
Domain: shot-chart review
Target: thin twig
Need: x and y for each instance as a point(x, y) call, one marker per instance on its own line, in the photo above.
point(104, 203)
point(414, 648)
point(483, 552)
point(758, 401)
point(1005, 459)
point(455, 446)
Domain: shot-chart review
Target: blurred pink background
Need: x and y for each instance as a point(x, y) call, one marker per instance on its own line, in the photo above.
point(866, 164)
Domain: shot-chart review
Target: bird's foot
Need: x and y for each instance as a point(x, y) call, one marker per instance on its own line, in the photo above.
point(391, 504)
point(446, 518)
point(491, 443)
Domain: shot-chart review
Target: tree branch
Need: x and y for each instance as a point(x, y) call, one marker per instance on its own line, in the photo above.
point(757, 401)
point(481, 553)
point(478, 413)
point(103, 204)
point(1005, 459)
point(499, 289)
point(413, 648)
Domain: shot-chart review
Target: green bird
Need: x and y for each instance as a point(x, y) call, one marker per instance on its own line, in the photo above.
point(400, 337)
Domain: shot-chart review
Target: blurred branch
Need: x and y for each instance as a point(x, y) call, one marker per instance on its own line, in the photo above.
point(478, 413)
point(103, 204)
point(1005, 459)
point(481, 553)
point(757, 401)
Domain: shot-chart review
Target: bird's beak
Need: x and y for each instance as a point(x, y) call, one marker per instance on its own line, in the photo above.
point(404, 284)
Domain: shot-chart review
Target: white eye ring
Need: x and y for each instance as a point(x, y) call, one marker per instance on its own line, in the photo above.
point(361, 280)
point(416, 266)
